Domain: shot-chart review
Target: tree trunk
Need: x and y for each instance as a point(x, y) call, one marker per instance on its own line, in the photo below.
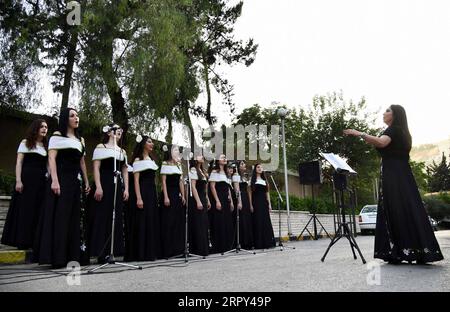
point(208, 91)
point(115, 93)
point(70, 57)
point(169, 131)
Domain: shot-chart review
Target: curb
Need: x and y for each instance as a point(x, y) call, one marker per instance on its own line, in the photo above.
point(15, 256)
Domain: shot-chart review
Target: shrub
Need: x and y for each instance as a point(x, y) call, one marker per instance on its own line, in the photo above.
point(303, 204)
point(7, 183)
point(438, 206)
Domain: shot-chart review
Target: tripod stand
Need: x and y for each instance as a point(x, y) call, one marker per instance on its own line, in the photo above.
point(314, 219)
point(343, 228)
point(238, 248)
point(110, 258)
point(280, 199)
point(186, 253)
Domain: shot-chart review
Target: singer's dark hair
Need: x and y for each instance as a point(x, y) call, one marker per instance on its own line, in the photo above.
point(239, 171)
point(216, 166)
point(139, 149)
point(168, 155)
point(400, 121)
point(33, 134)
point(263, 176)
point(105, 138)
point(63, 123)
point(193, 163)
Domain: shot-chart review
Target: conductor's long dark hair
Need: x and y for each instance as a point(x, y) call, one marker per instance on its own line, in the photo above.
point(63, 123)
point(33, 134)
point(263, 176)
point(400, 121)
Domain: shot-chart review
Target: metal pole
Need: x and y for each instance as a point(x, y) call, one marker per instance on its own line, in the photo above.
point(286, 180)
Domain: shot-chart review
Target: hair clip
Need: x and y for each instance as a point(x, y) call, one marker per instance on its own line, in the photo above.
point(139, 138)
point(105, 129)
point(165, 148)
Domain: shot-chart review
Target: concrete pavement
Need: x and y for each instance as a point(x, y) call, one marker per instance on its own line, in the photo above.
point(298, 269)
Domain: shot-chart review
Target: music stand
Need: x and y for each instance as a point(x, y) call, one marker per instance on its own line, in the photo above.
point(280, 199)
point(342, 171)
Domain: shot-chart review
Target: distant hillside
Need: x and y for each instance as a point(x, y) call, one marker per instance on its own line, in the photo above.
point(429, 152)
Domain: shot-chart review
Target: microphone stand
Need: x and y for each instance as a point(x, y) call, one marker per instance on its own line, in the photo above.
point(238, 248)
point(280, 199)
point(110, 259)
point(187, 254)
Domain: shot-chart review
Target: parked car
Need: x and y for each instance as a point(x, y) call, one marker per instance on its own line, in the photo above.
point(368, 219)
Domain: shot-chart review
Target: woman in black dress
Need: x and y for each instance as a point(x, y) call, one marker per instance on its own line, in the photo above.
point(260, 204)
point(60, 237)
point(101, 204)
point(199, 205)
point(31, 167)
point(240, 183)
point(403, 231)
point(145, 240)
point(222, 233)
point(173, 202)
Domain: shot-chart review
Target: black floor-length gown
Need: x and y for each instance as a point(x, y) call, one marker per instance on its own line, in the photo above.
point(403, 231)
point(222, 234)
point(128, 215)
point(198, 219)
point(100, 213)
point(60, 227)
point(24, 210)
point(172, 216)
point(245, 215)
point(263, 236)
point(145, 232)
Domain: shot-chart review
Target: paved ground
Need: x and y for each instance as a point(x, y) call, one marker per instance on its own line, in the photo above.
point(274, 270)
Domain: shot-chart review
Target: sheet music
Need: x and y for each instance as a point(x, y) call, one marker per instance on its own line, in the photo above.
point(337, 162)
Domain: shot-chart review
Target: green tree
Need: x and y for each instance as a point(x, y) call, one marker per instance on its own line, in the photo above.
point(319, 128)
point(439, 176)
point(420, 175)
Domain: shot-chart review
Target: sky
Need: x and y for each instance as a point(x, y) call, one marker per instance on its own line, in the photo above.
point(390, 52)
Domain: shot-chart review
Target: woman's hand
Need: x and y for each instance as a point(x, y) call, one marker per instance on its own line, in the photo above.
point(126, 195)
point(56, 188)
point(140, 203)
point(352, 132)
point(19, 186)
point(251, 208)
point(166, 201)
point(218, 205)
point(98, 194)
point(231, 206)
point(87, 189)
point(183, 200)
point(239, 206)
point(209, 204)
point(200, 206)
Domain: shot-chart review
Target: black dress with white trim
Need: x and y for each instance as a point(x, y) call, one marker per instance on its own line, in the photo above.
point(198, 218)
point(100, 212)
point(262, 225)
point(172, 216)
point(222, 233)
point(245, 214)
point(24, 210)
point(60, 229)
point(145, 233)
